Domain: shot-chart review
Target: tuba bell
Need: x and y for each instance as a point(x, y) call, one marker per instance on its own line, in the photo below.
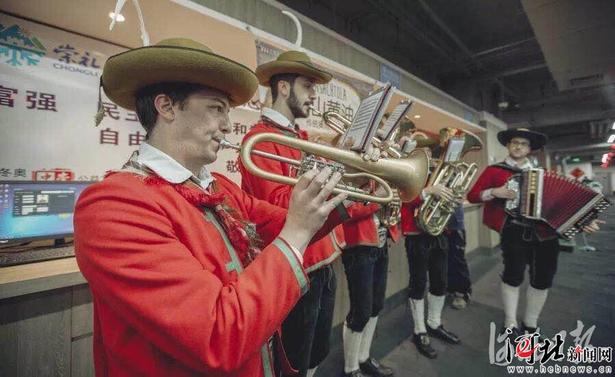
point(457, 175)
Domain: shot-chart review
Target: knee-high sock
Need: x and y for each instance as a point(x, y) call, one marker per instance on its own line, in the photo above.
point(535, 301)
point(352, 346)
point(418, 315)
point(366, 339)
point(434, 310)
point(311, 372)
point(510, 299)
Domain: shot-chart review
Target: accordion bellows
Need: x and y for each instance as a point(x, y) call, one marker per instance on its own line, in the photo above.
point(562, 203)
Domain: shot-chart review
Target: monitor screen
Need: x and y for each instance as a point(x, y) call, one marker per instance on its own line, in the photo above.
point(33, 210)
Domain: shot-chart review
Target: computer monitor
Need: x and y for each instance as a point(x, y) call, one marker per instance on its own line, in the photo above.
point(37, 210)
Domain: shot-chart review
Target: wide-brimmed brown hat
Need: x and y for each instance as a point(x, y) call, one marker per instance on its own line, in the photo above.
point(537, 139)
point(291, 62)
point(175, 60)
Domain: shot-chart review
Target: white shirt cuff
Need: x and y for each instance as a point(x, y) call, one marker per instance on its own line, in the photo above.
point(423, 195)
point(297, 252)
point(486, 195)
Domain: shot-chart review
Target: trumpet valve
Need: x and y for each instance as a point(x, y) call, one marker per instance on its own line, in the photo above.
point(310, 162)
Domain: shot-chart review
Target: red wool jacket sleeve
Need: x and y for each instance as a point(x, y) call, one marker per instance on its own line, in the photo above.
point(161, 291)
point(484, 182)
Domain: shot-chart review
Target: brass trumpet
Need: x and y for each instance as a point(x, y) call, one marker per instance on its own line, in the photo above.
point(407, 175)
point(390, 214)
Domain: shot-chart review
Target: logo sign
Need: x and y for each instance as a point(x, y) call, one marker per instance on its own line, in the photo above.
point(19, 47)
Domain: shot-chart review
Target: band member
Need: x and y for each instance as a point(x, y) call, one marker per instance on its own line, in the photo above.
point(459, 283)
point(523, 242)
point(292, 79)
point(427, 257)
point(180, 260)
point(366, 260)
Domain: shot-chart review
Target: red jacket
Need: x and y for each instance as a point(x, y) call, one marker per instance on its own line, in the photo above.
point(317, 254)
point(409, 211)
point(494, 215)
point(169, 297)
point(494, 176)
point(360, 229)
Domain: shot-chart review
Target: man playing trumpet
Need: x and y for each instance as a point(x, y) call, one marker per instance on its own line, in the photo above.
point(180, 260)
point(292, 79)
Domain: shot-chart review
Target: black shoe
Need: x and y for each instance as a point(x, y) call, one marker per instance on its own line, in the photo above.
point(528, 330)
point(525, 330)
point(423, 344)
point(443, 334)
point(355, 373)
point(372, 367)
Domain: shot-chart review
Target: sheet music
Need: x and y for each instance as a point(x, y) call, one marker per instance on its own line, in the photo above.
point(394, 119)
point(455, 147)
point(354, 136)
point(366, 120)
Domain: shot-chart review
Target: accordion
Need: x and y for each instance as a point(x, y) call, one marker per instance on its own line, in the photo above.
point(562, 203)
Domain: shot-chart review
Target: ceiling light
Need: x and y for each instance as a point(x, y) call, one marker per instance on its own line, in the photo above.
point(503, 105)
point(417, 116)
point(120, 17)
point(611, 138)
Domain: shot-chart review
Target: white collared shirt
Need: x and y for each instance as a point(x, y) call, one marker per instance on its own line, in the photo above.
point(172, 171)
point(487, 194)
point(169, 169)
point(277, 117)
point(526, 164)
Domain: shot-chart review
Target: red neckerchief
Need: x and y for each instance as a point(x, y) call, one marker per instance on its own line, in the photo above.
point(246, 245)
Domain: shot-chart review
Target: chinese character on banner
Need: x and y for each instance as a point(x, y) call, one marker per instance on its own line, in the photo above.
point(41, 101)
point(7, 96)
point(56, 174)
point(333, 106)
point(136, 138)
point(66, 53)
point(239, 128)
point(132, 117)
point(348, 112)
point(85, 60)
point(108, 136)
point(316, 104)
point(19, 173)
point(4, 172)
point(232, 166)
point(111, 110)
